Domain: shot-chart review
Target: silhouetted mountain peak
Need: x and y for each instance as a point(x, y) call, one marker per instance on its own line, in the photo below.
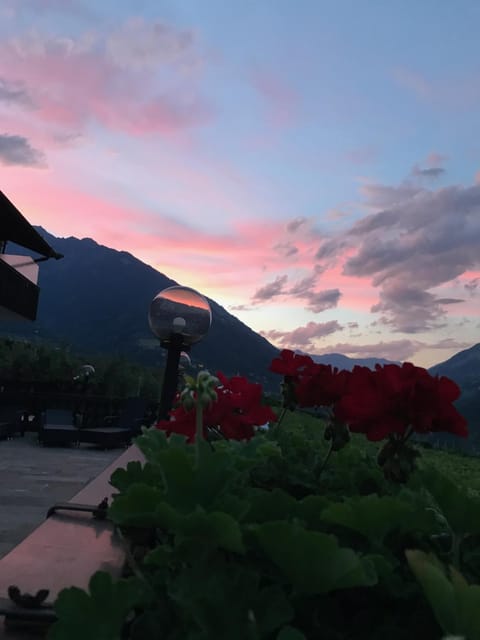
point(97, 299)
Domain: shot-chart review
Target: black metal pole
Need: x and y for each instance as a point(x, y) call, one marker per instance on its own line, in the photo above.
point(170, 380)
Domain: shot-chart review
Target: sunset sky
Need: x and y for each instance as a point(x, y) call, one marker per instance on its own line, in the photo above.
point(311, 165)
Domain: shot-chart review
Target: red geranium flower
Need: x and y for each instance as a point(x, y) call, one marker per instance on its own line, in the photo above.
point(235, 413)
point(393, 399)
point(290, 364)
point(321, 386)
point(182, 422)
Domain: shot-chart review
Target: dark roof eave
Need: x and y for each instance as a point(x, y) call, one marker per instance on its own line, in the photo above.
point(15, 228)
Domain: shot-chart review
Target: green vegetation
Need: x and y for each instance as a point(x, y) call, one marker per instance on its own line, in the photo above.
point(262, 540)
point(24, 361)
point(463, 468)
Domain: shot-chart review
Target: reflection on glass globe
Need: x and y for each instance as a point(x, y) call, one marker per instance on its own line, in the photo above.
point(87, 370)
point(182, 311)
point(185, 360)
point(84, 372)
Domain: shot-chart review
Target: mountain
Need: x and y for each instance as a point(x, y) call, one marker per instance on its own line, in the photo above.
point(97, 300)
point(464, 369)
point(344, 362)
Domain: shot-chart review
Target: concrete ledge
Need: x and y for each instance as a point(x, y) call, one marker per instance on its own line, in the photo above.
point(68, 548)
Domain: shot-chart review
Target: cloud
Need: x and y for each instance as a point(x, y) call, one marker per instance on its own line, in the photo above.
point(303, 287)
point(114, 86)
point(409, 309)
point(381, 195)
point(240, 307)
point(286, 249)
point(433, 168)
point(336, 214)
point(11, 93)
point(435, 159)
point(271, 290)
point(16, 150)
point(302, 337)
point(331, 248)
point(144, 45)
point(472, 285)
point(319, 301)
point(449, 343)
point(295, 224)
point(427, 172)
point(399, 350)
point(421, 240)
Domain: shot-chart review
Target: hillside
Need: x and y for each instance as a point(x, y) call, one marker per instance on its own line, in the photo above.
point(464, 368)
point(344, 362)
point(97, 300)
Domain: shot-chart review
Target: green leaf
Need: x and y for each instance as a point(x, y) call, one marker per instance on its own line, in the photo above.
point(100, 614)
point(151, 442)
point(437, 588)
point(460, 507)
point(270, 505)
point(136, 473)
point(189, 485)
point(272, 610)
point(310, 509)
point(313, 561)
point(137, 506)
point(289, 633)
point(214, 596)
point(468, 603)
point(212, 529)
point(158, 557)
point(371, 516)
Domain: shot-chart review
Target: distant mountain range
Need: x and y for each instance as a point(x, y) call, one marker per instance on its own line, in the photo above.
point(97, 300)
point(344, 362)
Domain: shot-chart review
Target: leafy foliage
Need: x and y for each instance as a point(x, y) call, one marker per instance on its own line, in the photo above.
point(263, 540)
point(39, 362)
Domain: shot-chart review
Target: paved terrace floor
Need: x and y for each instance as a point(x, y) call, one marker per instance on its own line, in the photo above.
point(33, 478)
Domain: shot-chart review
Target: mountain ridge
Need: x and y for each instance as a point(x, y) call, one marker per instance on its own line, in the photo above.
point(97, 298)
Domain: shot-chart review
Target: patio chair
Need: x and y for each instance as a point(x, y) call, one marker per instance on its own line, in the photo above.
point(57, 428)
point(116, 431)
point(11, 422)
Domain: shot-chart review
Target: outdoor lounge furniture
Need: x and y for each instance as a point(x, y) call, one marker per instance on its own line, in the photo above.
point(57, 428)
point(117, 431)
point(105, 437)
point(11, 422)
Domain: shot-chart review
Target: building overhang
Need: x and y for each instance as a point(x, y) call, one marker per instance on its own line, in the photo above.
point(19, 291)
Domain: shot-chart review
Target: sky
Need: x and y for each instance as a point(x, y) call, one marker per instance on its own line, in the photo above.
point(311, 165)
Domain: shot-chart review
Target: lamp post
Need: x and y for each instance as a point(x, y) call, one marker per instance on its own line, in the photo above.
point(179, 317)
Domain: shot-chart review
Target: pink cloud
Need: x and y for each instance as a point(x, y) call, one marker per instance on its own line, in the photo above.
point(139, 44)
point(73, 83)
point(180, 250)
point(303, 337)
